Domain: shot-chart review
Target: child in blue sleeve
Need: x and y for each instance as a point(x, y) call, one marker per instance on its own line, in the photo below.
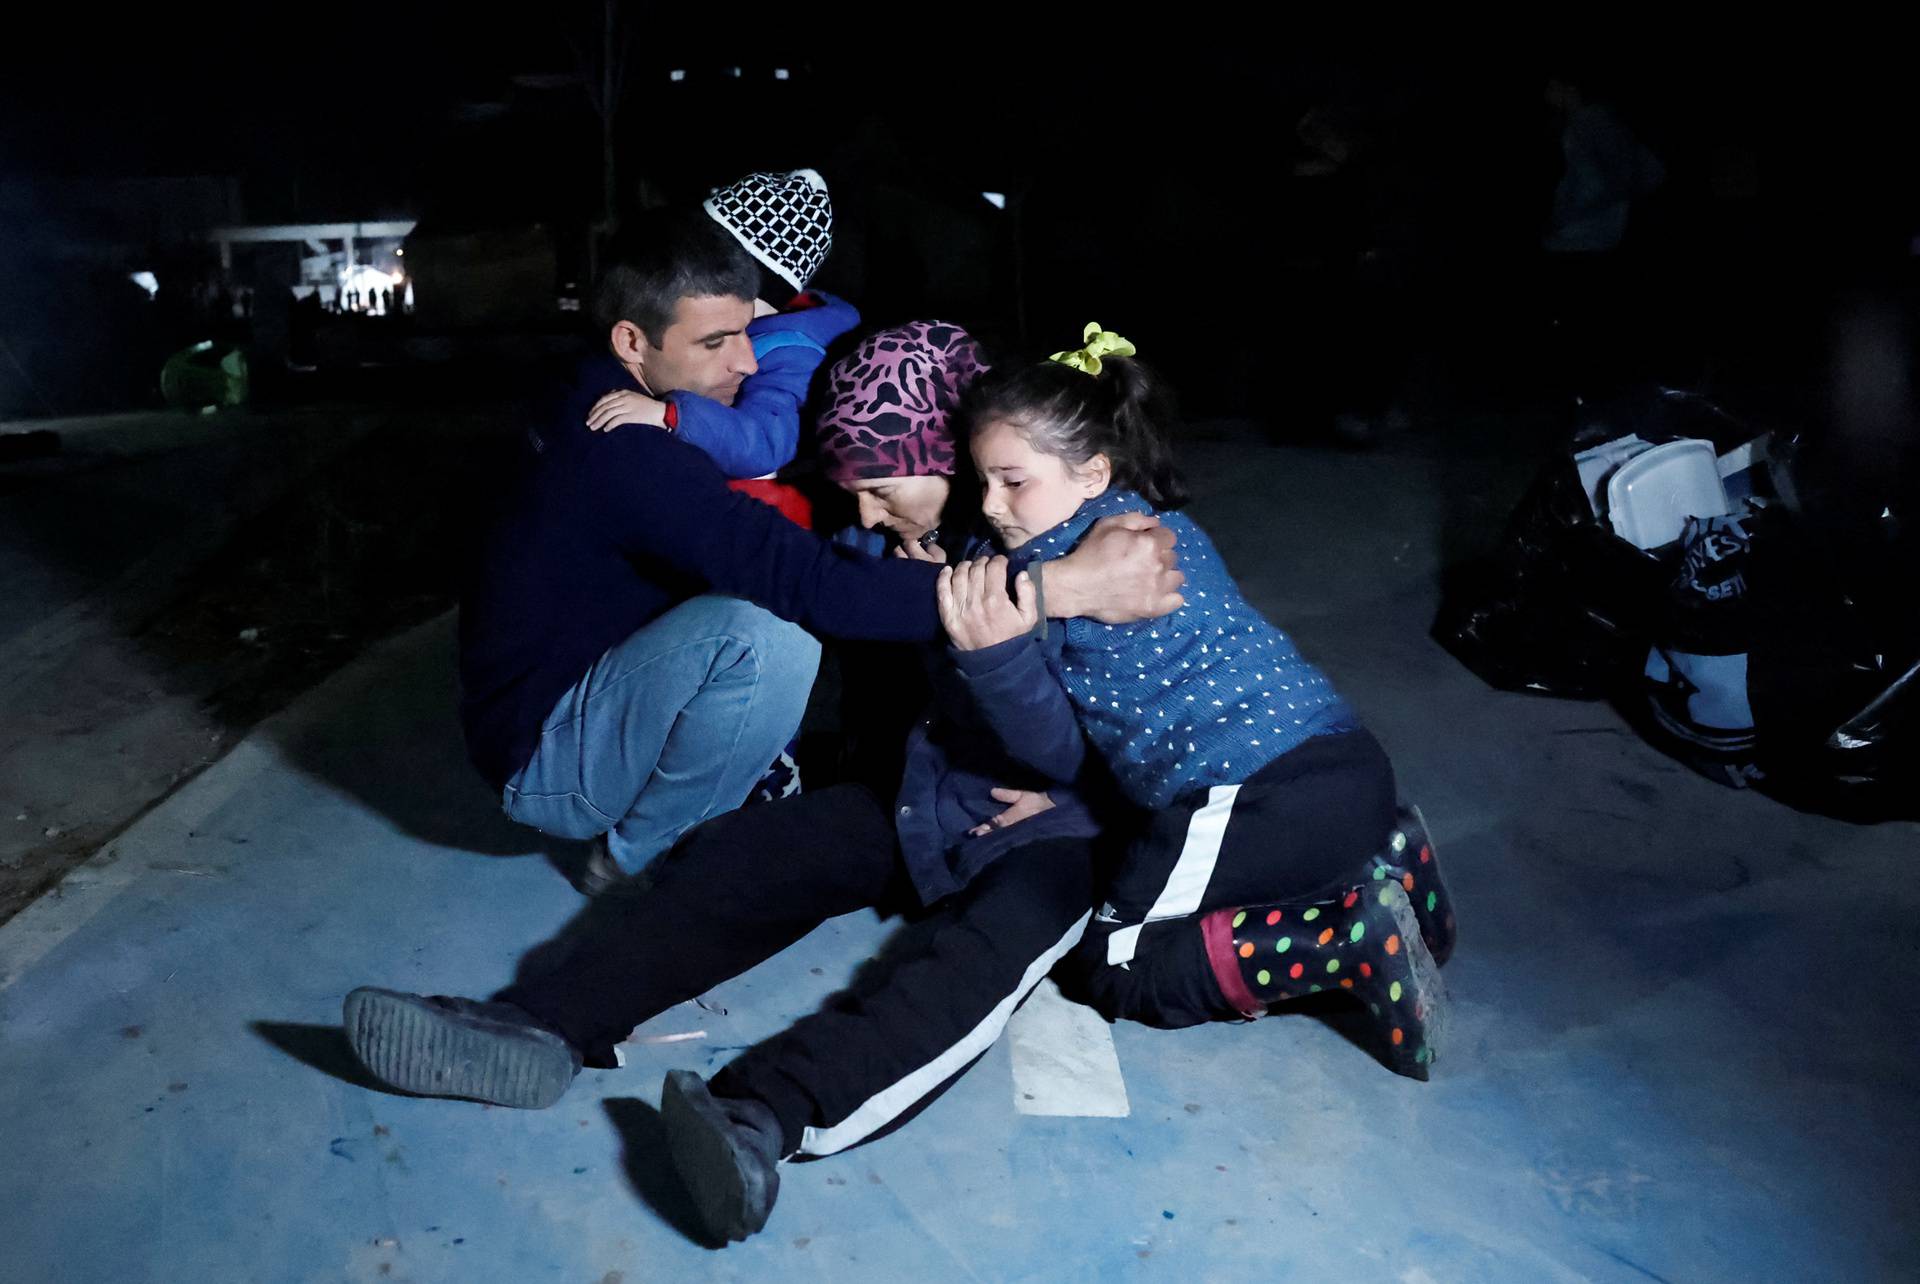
point(785, 221)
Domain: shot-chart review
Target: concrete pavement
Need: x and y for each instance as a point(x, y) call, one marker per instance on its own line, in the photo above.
point(1682, 1048)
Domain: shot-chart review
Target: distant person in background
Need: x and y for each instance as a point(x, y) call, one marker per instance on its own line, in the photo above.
point(1351, 185)
point(1606, 171)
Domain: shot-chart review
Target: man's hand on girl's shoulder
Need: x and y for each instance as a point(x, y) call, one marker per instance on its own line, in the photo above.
point(1124, 571)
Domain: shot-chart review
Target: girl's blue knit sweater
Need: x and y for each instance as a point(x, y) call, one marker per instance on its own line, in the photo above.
point(1205, 696)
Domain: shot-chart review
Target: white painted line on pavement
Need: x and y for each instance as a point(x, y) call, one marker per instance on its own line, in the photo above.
point(1064, 1061)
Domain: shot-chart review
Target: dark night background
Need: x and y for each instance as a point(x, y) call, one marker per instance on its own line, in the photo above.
point(1149, 170)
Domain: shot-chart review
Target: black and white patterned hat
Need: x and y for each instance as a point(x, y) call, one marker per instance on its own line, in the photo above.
point(784, 220)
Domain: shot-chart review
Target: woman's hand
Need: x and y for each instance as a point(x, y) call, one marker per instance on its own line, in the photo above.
point(1023, 804)
point(618, 408)
point(975, 608)
point(914, 551)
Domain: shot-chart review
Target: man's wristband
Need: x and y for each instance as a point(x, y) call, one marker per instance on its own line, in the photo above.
point(1039, 599)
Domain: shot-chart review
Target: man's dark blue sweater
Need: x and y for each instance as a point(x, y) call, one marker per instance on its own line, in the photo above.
point(607, 531)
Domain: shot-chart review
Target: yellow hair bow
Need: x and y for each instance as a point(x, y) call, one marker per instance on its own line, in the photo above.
point(1099, 343)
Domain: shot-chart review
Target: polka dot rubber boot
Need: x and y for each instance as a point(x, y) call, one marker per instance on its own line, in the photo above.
point(1365, 941)
point(1412, 861)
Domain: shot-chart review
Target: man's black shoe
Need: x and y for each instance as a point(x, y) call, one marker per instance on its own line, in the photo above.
point(436, 1046)
point(727, 1152)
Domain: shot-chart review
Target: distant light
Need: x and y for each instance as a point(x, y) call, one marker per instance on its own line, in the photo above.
point(781, 73)
point(546, 80)
point(369, 282)
point(401, 252)
point(734, 72)
point(478, 113)
point(148, 282)
point(677, 74)
point(996, 199)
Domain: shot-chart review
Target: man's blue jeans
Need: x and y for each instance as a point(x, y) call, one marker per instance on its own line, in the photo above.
point(670, 727)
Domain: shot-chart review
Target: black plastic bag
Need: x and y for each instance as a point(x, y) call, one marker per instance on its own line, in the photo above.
point(1563, 607)
point(1833, 675)
point(1810, 604)
point(1768, 669)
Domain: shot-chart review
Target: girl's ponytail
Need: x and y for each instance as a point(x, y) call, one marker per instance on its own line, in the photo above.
point(1141, 411)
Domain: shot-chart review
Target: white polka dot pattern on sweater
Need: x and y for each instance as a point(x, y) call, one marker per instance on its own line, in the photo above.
point(1191, 716)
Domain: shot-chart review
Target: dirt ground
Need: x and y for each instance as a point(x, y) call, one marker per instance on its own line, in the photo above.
point(124, 706)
